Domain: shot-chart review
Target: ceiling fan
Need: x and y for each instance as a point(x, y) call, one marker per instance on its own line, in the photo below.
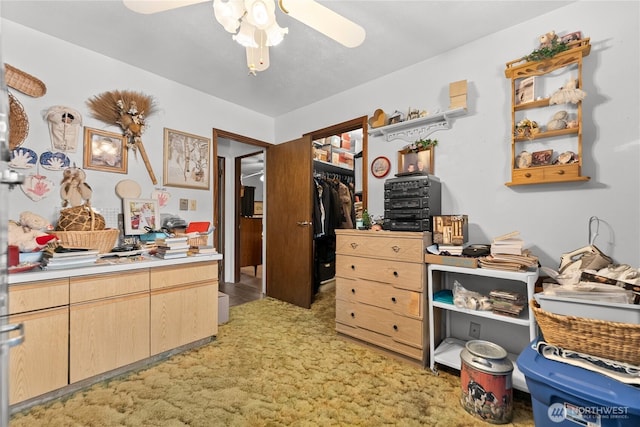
point(255, 24)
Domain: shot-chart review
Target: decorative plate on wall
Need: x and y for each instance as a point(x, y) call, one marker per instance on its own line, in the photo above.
point(380, 167)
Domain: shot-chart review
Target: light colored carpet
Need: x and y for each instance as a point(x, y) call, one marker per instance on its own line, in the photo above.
point(273, 364)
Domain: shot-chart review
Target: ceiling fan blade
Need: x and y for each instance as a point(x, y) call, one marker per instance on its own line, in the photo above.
point(324, 20)
point(155, 6)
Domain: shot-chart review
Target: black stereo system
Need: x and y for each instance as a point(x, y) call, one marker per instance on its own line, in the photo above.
point(410, 202)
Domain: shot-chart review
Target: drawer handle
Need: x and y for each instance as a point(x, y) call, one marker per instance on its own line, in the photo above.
point(353, 315)
point(395, 273)
point(395, 248)
point(354, 245)
point(395, 327)
point(353, 291)
point(353, 267)
point(393, 300)
point(561, 172)
point(527, 175)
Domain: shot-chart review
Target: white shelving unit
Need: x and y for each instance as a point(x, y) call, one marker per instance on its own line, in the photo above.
point(512, 333)
point(411, 130)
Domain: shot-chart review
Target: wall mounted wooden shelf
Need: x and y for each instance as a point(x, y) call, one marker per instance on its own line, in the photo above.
point(412, 130)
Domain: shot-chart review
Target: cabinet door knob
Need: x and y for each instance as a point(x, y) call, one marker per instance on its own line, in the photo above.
point(353, 315)
point(561, 172)
point(395, 273)
point(354, 245)
point(395, 327)
point(393, 300)
point(353, 267)
point(353, 291)
point(395, 248)
point(527, 175)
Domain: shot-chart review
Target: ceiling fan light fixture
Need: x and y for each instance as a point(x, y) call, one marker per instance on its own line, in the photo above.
point(260, 13)
point(258, 57)
point(275, 34)
point(246, 35)
point(228, 13)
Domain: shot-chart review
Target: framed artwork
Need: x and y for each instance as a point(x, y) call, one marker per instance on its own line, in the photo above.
point(105, 151)
point(186, 160)
point(525, 92)
point(140, 216)
point(576, 35)
point(418, 162)
point(541, 158)
point(380, 167)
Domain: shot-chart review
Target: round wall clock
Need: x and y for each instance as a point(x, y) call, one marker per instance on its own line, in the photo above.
point(380, 167)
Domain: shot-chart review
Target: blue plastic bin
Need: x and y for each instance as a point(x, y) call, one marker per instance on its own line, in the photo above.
point(566, 395)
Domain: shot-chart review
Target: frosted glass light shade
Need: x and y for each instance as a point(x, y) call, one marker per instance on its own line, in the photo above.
point(260, 13)
point(246, 35)
point(275, 34)
point(228, 13)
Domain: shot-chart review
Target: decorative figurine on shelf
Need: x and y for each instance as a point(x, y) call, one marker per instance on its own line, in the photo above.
point(550, 45)
point(569, 93)
point(527, 128)
point(74, 191)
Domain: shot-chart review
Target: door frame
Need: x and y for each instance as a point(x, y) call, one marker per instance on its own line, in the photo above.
point(217, 134)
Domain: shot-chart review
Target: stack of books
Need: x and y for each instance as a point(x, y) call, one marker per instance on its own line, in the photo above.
point(172, 247)
point(507, 303)
point(202, 250)
point(509, 244)
point(62, 258)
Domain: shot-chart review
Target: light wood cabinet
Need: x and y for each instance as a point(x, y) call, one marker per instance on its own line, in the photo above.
point(184, 305)
point(40, 363)
point(548, 75)
point(380, 290)
point(109, 322)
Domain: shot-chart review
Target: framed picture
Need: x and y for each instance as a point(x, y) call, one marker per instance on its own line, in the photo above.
point(380, 167)
point(541, 158)
point(418, 162)
point(186, 160)
point(576, 35)
point(525, 92)
point(140, 216)
point(105, 151)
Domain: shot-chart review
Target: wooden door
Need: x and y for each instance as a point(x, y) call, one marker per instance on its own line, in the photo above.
point(289, 231)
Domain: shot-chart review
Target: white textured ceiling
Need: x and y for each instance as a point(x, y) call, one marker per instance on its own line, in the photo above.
point(188, 46)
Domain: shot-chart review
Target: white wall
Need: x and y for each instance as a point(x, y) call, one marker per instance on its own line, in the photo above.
point(73, 75)
point(473, 158)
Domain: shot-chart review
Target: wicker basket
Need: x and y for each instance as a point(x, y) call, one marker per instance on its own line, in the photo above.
point(18, 123)
point(24, 82)
point(610, 340)
point(102, 240)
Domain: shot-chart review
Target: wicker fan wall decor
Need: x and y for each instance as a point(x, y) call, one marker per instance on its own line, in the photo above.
point(129, 110)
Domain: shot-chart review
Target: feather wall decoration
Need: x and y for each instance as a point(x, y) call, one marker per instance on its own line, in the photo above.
point(129, 110)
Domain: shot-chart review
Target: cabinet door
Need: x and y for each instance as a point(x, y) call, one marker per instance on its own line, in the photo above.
point(39, 365)
point(108, 334)
point(183, 314)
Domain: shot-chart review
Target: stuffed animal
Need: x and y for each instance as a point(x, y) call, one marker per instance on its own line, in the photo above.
point(569, 93)
point(546, 40)
point(29, 234)
point(74, 190)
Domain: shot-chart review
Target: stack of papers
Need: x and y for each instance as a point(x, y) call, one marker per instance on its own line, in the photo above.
point(510, 243)
point(509, 262)
point(69, 258)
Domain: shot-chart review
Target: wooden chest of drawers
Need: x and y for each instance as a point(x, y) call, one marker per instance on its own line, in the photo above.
point(381, 290)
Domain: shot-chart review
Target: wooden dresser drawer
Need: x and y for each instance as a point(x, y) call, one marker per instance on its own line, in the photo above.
point(382, 341)
point(400, 328)
point(38, 295)
point(405, 275)
point(100, 286)
point(394, 245)
point(399, 301)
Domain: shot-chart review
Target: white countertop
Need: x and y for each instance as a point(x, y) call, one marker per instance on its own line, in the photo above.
point(119, 264)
